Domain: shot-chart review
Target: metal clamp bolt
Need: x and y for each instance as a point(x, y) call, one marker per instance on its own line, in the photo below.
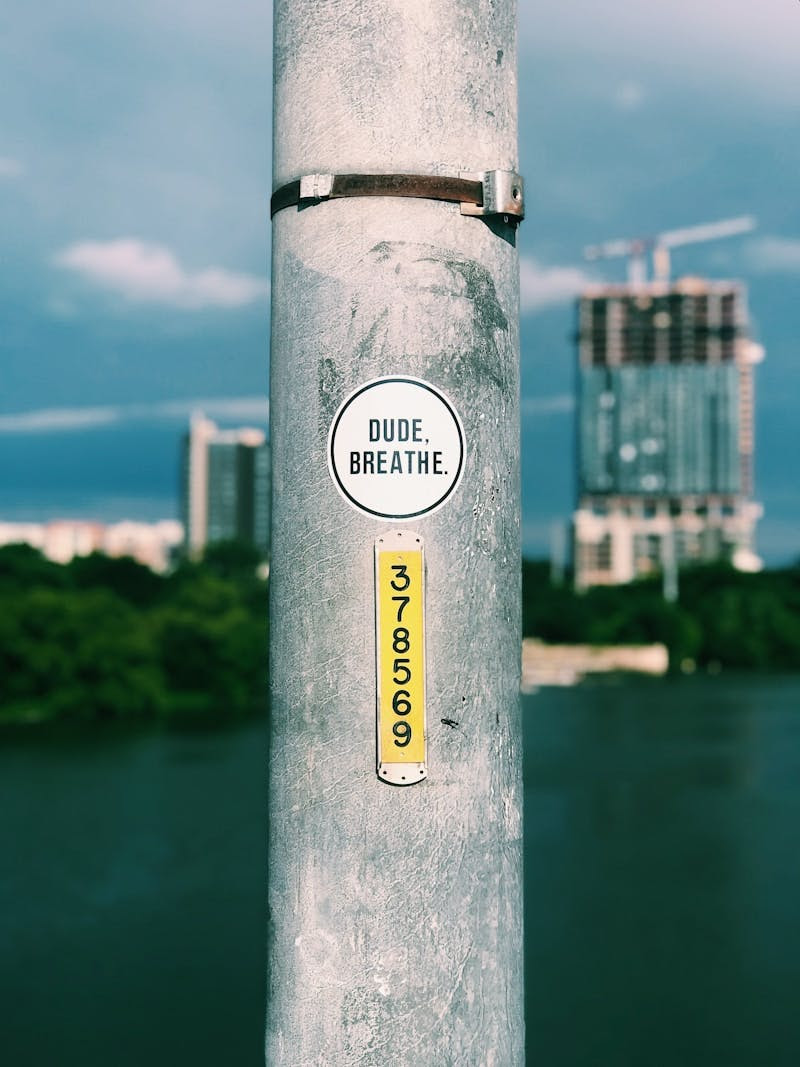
point(503, 194)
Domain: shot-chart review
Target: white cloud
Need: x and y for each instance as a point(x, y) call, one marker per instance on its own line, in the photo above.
point(58, 307)
point(559, 404)
point(49, 420)
point(10, 168)
point(151, 273)
point(629, 96)
point(776, 255)
point(739, 42)
point(542, 287)
point(242, 409)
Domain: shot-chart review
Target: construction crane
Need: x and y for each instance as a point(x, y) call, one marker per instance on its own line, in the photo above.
point(636, 248)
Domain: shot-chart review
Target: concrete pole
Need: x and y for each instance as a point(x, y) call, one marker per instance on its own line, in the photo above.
point(395, 913)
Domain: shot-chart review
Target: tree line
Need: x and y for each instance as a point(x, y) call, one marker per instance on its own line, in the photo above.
point(107, 639)
point(722, 618)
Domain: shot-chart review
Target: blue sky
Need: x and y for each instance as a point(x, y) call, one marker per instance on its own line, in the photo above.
point(134, 181)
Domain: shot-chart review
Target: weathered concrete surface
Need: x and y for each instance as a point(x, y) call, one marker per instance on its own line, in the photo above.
point(395, 914)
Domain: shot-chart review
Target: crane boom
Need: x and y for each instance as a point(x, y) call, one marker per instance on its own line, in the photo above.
point(708, 231)
point(660, 245)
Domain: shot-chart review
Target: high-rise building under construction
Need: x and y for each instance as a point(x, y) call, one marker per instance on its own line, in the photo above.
point(665, 429)
point(225, 486)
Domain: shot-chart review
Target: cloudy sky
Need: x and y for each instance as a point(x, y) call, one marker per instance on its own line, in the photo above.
point(134, 179)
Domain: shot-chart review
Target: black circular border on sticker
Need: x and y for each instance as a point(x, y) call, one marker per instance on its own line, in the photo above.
point(454, 416)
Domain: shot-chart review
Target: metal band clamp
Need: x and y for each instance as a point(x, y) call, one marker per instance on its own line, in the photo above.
point(488, 192)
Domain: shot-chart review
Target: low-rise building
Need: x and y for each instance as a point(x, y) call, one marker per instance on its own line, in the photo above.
point(153, 544)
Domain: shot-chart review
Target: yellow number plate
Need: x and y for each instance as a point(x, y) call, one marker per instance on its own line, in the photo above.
point(400, 621)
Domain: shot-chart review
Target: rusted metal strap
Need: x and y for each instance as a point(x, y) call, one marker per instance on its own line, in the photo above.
point(495, 192)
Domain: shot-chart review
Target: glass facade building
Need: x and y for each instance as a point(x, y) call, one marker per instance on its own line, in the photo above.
point(665, 428)
point(225, 491)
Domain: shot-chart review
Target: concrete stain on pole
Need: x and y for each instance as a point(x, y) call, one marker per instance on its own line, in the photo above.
point(395, 913)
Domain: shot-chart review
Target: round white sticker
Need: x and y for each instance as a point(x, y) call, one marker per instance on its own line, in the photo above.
point(396, 448)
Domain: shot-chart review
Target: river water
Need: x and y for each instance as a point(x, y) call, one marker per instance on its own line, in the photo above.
point(662, 866)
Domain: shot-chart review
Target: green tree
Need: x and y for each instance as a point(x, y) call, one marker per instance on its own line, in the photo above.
point(77, 656)
point(213, 650)
point(131, 581)
point(23, 567)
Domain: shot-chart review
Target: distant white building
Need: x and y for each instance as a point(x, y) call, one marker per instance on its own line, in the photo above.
point(152, 544)
point(225, 485)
